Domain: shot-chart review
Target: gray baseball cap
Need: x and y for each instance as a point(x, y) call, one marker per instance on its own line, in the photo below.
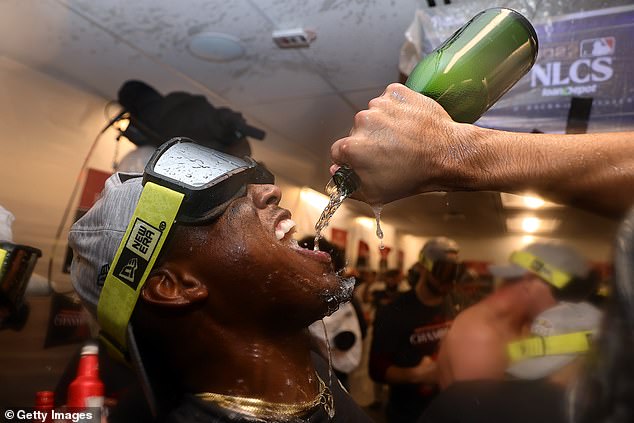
point(437, 248)
point(554, 255)
point(561, 319)
point(95, 237)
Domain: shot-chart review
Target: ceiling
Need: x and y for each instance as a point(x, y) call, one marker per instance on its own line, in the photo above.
point(304, 98)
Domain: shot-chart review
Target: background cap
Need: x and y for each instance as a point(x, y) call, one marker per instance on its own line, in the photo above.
point(437, 248)
point(95, 237)
point(560, 319)
point(558, 255)
point(6, 220)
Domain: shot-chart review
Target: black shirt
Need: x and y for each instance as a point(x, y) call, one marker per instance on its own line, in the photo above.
point(404, 332)
point(195, 410)
point(513, 401)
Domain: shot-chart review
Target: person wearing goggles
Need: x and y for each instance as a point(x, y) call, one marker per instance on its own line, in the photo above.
point(407, 333)
point(197, 282)
point(481, 342)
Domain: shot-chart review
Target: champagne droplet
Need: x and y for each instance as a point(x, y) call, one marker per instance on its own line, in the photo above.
point(379, 232)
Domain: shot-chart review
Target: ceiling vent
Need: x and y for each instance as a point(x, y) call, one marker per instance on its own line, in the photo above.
point(294, 38)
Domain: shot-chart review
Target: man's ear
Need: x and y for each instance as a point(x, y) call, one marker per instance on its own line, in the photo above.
point(173, 289)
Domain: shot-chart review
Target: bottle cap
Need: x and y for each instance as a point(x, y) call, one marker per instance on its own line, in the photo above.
point(90, 349)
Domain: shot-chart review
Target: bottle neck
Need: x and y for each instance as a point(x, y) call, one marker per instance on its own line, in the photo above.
point(88, 366)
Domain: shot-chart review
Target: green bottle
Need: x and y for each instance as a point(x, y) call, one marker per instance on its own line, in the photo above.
point(469, 72)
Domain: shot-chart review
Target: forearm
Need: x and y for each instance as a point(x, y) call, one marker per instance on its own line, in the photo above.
point(591, 171)
point(405, 144)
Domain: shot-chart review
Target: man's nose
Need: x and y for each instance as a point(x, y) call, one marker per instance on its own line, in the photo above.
point(265, 195)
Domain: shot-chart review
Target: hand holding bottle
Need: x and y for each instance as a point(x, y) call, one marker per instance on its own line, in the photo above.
point(466, 74)
point(398, 146)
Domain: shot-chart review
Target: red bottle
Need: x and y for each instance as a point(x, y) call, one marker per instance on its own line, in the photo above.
point(87, 389)
point(45, 402)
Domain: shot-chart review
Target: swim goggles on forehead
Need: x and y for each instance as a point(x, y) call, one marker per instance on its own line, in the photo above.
point(183, 182)
point(207, 178)
point(443, 270)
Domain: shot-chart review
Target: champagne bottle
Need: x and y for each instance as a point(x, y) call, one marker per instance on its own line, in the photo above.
point(468, 72)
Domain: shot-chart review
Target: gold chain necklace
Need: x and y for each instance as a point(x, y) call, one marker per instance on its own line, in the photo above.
point(271, 411)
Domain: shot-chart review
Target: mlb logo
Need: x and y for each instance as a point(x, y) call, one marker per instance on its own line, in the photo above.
point(597, 47)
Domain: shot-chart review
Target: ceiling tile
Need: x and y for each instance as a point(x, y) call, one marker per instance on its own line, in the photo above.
point(162, 31)
point(358, 42)
point(312, 123)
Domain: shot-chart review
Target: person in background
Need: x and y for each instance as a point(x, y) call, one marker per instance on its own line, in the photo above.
point(413, 275)
point(388, 292)
point(381, 294)
point(538, 277)
point(535, 393)
point(16, 274)
point(366, 280)
point(407, 333)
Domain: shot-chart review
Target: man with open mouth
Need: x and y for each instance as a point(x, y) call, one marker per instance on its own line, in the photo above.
point(194, 276)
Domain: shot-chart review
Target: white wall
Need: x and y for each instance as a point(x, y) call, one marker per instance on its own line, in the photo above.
point(47, 128)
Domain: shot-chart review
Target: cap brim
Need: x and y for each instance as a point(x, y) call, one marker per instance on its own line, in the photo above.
point(507, 271)
point(558, 320)
point(539, 367)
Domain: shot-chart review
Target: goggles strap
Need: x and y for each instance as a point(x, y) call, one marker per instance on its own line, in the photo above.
point(539, 346)
point(427, 263)
point(552, 275)
point(3, 256)
point(143, 240)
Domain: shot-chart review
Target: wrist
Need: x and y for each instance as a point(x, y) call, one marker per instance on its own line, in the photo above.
point(466, 160)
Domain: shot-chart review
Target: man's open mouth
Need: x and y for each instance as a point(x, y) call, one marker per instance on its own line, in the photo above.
point(284, 231)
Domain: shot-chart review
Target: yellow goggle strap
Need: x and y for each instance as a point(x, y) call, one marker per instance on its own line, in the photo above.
point(427, 263)
point(146, 233)
point(539, 346)
point(3, 255)
point(552, 275)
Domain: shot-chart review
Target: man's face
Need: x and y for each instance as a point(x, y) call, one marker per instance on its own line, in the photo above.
point(442, 286)
point(253, 266)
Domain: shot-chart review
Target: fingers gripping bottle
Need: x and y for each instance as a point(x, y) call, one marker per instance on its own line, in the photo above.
point(468, 72)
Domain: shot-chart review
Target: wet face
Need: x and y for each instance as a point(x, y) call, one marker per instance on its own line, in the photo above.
point(254, 268)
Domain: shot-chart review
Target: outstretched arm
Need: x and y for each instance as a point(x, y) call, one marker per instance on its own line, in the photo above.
point(405, 144)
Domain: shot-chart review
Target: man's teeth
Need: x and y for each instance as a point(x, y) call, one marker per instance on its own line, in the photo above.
point(283, 228)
